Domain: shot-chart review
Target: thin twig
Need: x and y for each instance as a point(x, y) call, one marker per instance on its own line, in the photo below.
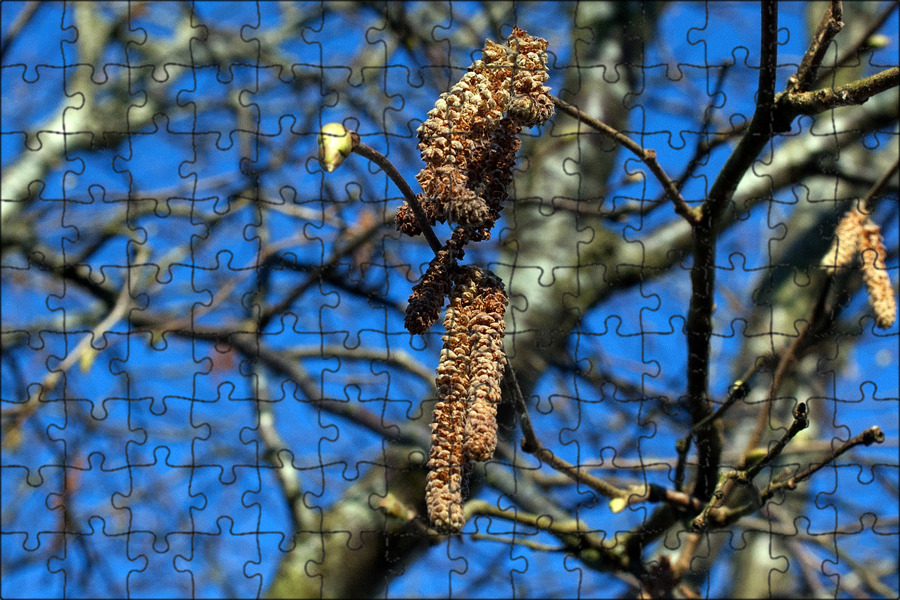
point(853, 51)
point(647, 156)
point(532, 445)
point(395, 358)
point(704, 144)
point(807, 72)
point(879, 185)
point(541, 522)
point(716, 514)
point(737, 391)
point(382, 161)
point(578, 539)
point(791, 354)
point(872, 435)
point(800, 422)
point(622, 498)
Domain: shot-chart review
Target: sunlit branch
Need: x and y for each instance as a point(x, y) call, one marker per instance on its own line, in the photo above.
point(395, 358)
point(283, 468)
point(532, 445)
point(852, 52)
point(382, 161)
point(829, 27)
point(647, 156)
point(872, 435)
point(853, 93)
point(84, 354)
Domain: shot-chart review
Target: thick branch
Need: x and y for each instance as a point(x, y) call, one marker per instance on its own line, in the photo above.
point(851, 94)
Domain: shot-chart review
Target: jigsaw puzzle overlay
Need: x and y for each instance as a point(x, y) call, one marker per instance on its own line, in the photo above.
point(449, 299)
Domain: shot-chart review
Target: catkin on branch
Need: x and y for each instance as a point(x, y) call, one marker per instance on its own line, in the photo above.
point(443, 491)
point(531, 103)
point(503, 90)
point(847, 236)
point(468, 385)
point(427, 298)
point(486, 328)
point(878, 284)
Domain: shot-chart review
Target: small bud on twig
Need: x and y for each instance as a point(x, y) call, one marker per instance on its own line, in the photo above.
point(335, 144)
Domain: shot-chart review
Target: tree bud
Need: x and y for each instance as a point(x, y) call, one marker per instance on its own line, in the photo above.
point(335, 144)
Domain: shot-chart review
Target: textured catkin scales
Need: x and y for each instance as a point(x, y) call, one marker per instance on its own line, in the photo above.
point(486, 327)
point(531, 103)
point(443, 489)
point(503, 90)
point(878, 284)
point(460, 123)
point(465, 425)
point(468, 145)
point(428, 295)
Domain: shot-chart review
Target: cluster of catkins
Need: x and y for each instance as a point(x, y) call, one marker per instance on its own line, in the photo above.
point(856, 235)
point(469, 144)
point(464, 426)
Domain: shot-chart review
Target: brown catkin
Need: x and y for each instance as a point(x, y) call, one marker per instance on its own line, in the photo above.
point(464, 427)
point(443, 489)
point(486, 327)
point(847, 237)
point(878, 284)
point(427, 297)
point(458, 124)
point(469, 144)
point(531, 103)
point(503, 90)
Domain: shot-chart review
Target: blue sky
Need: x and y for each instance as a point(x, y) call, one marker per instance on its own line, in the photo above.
point(160, 412)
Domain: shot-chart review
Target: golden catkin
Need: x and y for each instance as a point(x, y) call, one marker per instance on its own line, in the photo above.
point(878, 284)
point(847, 236)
